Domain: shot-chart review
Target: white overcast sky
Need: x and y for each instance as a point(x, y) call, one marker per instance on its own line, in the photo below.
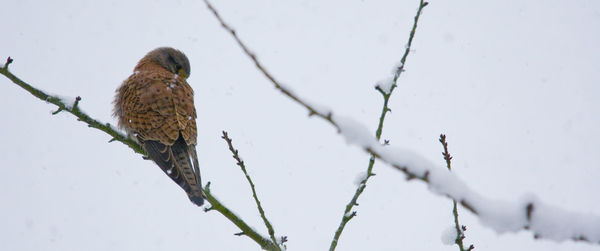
point(514, 85)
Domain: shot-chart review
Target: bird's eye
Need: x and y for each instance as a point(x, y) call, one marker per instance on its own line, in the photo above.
point(178, 69)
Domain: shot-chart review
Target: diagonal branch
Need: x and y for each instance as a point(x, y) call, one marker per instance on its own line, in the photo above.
point(73, 109)
point(286, 91)
point(247, 230)
point(386, 94)
point(530, 214)
point(241, 164)
point(62, 104)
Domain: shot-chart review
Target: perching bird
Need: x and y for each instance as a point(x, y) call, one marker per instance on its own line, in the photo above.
point(155, 106)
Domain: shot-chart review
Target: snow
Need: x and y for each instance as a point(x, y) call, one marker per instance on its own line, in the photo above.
point(449, 235)
point(280, 242)
point(386, 84)
point(558, 224)
point(68, 101)
point(405, 158)
point(397, 66)
point(546, 221)
point(360, 177)
point(354, 132)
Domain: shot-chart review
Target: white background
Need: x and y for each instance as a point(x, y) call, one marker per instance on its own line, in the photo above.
point(514, 85)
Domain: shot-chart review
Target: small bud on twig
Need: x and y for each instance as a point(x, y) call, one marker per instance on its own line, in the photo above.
point(8, 61)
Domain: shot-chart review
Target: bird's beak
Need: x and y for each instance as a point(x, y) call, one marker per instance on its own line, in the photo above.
point(182, 74)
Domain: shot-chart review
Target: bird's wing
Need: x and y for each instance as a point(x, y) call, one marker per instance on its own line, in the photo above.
point(158, 109)
point(183, 100)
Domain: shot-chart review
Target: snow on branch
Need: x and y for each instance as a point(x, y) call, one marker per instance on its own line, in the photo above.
point(528, 213)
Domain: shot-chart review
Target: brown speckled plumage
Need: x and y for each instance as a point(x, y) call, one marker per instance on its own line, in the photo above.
point(155, 105)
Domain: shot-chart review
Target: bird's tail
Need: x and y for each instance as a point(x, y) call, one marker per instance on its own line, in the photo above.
point(176, 162)
point(196, 195)
point(192, 184)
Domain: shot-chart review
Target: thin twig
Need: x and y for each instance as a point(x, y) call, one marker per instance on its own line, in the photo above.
point(241, 164)
point(277, 84)
point(216, 205)
point(348, 214)
point(460, 230)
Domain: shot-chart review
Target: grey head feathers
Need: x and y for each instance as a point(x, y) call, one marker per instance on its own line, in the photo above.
point(171, 59)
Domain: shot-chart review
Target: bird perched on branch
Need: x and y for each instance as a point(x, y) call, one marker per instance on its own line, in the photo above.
point(155, 106)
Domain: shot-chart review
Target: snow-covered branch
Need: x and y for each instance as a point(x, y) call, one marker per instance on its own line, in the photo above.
point(528, 213)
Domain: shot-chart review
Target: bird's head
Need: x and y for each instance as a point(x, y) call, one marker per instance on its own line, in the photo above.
point(171, 59)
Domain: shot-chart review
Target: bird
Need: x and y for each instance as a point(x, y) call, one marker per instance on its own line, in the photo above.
point(155, 107)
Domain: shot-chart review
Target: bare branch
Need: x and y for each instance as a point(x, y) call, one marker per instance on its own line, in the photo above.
point(354, 134)
point(311, 110)
point(386, 94)
point(215, 204)
point(241, 164)
point(460, 230)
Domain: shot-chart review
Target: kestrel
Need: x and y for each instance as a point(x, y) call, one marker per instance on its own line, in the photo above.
point(155, 106)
